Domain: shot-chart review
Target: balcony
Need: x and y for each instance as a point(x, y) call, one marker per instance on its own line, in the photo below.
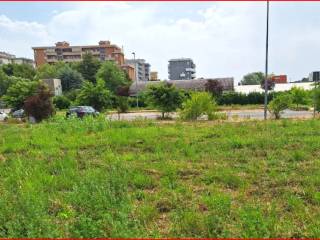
point(190, 70)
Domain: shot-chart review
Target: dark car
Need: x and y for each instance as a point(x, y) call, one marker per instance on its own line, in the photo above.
point(81, 111)
point(18, 114)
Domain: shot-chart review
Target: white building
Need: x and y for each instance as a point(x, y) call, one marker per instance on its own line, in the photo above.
point(142, 69)
point(6, 58)
point(280, 87)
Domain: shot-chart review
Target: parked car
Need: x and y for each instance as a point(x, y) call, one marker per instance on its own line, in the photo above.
point(81, 111)
point(18, 114)
point(3, 116)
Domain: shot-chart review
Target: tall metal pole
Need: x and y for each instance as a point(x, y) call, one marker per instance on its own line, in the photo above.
point(135, 71)
point(315, 79)
point(266, 70)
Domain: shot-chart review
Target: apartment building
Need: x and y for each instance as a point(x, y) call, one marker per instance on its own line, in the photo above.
point(142, 69)
point(6, 58)
point(63, 51)
point(181, 69)
point(21, 60)
point(314, 76)
point(154, 76)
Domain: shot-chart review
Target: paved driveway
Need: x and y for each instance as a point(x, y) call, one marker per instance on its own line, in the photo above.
point(241, 114)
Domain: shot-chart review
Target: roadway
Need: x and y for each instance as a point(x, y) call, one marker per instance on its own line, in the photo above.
point(256, 114)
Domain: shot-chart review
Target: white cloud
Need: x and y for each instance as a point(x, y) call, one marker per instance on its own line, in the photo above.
point(18, 36)
point(224, 39)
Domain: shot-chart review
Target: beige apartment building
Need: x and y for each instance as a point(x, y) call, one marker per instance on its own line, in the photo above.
point(6, 58)
point(154, 76)
point(62, 51)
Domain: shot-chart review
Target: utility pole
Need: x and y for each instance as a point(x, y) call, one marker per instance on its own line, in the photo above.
point(135, 72)
point(266, 69)
point(315, 77)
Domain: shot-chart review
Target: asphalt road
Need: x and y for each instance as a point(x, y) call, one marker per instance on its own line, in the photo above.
point(233, 114)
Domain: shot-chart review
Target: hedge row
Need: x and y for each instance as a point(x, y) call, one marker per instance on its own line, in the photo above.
point(229, 98)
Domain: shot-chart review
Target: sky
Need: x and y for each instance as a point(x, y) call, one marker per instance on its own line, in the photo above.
point(225, 39)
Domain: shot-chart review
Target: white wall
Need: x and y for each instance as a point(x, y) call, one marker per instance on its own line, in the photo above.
point(280, 87)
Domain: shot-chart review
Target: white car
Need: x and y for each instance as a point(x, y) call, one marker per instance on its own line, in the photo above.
point(3, 116)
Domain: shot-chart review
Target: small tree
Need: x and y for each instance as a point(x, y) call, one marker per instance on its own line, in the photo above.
point(113, 76)
point(270, 84)
point(214, 87)
point(200, 103)
point(47, 71)
point(89, 67)
point(95, 95)
point(299, 96)
point(70, 78)
point(40, 105)
point(316, 98)
point(61, 102)
point(19, 92)
point(164, 97)
point(19, 70)
point(279, 104)
point(5, 83)
point(254, 78)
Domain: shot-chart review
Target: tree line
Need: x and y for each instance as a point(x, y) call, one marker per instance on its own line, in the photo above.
point(89, 82)
point(105, 85)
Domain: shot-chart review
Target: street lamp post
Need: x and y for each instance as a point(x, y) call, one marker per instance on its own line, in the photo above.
point(134, 59)
point(266, 69)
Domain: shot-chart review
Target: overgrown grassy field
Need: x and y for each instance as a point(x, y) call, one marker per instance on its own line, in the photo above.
point(95, 178)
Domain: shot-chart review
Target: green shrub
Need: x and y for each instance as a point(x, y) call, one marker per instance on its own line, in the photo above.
point(95, 95)
point(316, 98)
point(61, 102)
point(299, 96)
point(229, 98)
point(40, 105)
point(218, 116)
point(122, 104)
point(200, 103)
point(279, 104)
point(165, 97)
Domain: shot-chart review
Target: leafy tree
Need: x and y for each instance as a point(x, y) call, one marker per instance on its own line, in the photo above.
point(279, 104)
point(270, 84)
point(165, 97)
point(316, 98)
point(19, 92)
point(305, 79)
point(200, 103)
point(89, 67)
point(61, 102)
point(214, 87)
point(95, 95)
point(254, 78)
point(19, 70)
point(70, 78)
point(123, 91)
point(40, 105)
point(122, 105)
point(113, 76)
point(5, 83)
point(299, 96)
point(7, 69)
point(72, 95)
point(24, 71)
point(47, 71)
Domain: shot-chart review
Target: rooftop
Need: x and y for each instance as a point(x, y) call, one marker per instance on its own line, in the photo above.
point(66, 44)
point(180, 59)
